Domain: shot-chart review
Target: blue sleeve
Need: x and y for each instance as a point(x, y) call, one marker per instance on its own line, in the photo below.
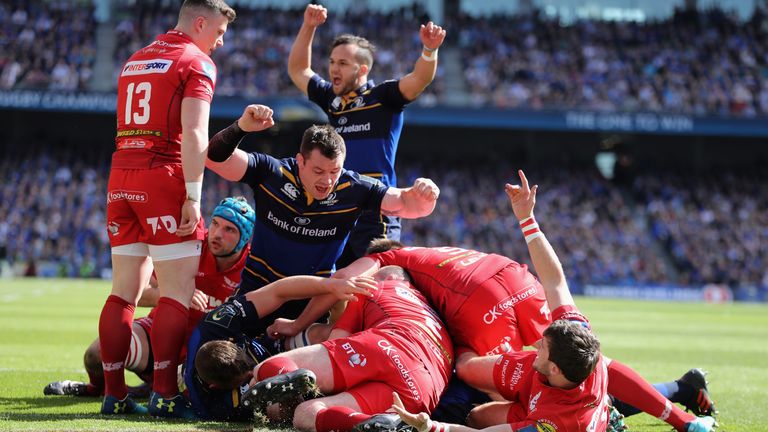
point(376, 192)
point(320, 91)
point(259, 166)
point(389, 93)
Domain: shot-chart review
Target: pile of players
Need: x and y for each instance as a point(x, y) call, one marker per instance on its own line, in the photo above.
point(435, 330)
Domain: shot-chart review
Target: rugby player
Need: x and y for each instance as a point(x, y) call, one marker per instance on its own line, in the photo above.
point(367, 115)
point(153, 198)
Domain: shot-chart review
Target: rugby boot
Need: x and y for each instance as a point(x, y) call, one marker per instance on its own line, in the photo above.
point(113, 405)
point(700, 403)
point(701, 424)
point(383, 423)
point(287, 389)
point(175, 407)
point(66, 387)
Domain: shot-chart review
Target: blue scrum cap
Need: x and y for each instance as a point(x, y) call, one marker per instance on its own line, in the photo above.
point(239, 212)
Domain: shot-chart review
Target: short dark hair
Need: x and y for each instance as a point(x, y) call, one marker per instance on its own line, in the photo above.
point(219, 6)
point(365, 49)
point(390, 270)
point(222, 363)
point(383, 245)
point(325, 139)
point(573, 348)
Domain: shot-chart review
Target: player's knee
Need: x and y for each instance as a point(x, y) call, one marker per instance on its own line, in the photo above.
point(306, 413)
point(475, 418)
point(92, 358)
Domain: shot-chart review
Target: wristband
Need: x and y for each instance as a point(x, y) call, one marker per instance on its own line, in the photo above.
point(530, 229)
point(433, 426)
point(432, 54)
point(194, 191)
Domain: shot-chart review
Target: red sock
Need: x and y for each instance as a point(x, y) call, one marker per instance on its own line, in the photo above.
point(115, 336)
point(276, 366)
point(338, 418)
point(625, 384)
point(169, 328)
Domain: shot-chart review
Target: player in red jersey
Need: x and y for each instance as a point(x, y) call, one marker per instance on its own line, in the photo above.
point(221, 262)
point(564, 385)
point(392, 341)
point(153, 197)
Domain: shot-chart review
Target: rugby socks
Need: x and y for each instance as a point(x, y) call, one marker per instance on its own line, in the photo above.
point(115, 336)
point(167, 337)
point(275, 366)
point(338, 418)
point(625, 384)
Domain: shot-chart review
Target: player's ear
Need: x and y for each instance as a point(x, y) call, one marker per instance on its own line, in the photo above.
point(199, 23)
point(300, 158)
point(363, 71)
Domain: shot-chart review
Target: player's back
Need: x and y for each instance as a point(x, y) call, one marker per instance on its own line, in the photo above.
point(446, 275)
point(151, 86)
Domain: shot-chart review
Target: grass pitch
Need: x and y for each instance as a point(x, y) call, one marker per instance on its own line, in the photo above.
point(45, 325)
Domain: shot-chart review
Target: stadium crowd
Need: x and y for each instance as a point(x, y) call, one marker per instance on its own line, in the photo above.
point(252, 61)
point(659, 230)
point(524, 61)
point(46, 45)
point(532, 61)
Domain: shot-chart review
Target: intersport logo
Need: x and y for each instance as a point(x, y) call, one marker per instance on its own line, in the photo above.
point(124, 195)
point(144, 67)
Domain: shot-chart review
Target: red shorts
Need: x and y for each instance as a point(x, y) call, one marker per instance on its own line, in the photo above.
point(505, 313)
point(144, 206)
point(374, 363)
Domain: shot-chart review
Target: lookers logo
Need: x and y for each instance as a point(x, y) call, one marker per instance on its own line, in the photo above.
point(123, 195)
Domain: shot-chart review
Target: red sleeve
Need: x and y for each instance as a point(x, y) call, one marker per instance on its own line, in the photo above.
point(570, 313)
point(351, 320)
point(201, 78)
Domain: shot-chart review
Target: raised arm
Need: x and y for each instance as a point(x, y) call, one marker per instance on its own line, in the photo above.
point(410, 203)
point(411, 85)
point(300, 58)
point(544, 259)
point(224, 158)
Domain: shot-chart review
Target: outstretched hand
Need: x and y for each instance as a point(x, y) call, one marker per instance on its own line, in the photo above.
point(522, 197)
point(256, 118)
point(282, 327)
point(315, 15)
point(432, 35)
point(419, 421)
point(345, 289)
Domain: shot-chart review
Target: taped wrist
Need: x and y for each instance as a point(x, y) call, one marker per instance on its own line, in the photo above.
point(224, 143)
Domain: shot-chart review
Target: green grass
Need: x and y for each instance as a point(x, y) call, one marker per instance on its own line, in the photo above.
point(45, 325)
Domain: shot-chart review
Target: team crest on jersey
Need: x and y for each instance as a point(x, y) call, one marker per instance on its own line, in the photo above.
point(544, 425)
point(209, 70)
point(144, 67)
point(222, 316)
point(331, 200)
point(532, 403)
point(357, 103)
point(290, 190)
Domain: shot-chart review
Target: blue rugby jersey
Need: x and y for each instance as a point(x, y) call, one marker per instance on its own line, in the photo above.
point(294, 233)
point(237, 322)
point(369, 119)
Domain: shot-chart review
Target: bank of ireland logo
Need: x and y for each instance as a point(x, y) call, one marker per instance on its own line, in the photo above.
point(342, 121)
point(301, 220)
point(290, 190)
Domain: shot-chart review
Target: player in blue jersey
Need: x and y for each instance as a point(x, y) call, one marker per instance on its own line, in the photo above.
point(212, 390)
point(368, 116)
point(305, 206)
